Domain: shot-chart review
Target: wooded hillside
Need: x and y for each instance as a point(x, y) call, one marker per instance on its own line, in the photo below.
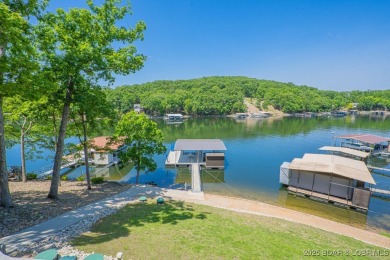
point(225, 95)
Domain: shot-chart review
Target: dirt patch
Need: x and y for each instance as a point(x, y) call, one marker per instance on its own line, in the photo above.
point(31, 205)
point(275, 112)
point(252, 109)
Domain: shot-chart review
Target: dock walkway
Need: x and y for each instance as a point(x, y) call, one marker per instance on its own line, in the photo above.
point(195, 178)
point(49, 172)
point(380, 191)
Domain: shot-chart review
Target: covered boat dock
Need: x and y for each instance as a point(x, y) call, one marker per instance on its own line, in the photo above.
point(347, 152)
point(365, 142)
point(206, 152)
point(197, 153)
point(329, 177)
point(173, 117)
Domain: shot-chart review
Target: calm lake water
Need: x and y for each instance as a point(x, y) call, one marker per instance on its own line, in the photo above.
point(255, 150)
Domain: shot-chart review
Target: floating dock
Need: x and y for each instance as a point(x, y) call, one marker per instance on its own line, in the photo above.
point(177, 158)
point(325, 197)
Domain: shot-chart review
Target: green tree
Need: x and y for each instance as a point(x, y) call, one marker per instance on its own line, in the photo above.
point(17, 64)
point(89, 112)
point(144, 140)
point(22, 117)
point(83, 46)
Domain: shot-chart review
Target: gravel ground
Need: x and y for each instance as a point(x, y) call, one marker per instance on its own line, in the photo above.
point(31, 205)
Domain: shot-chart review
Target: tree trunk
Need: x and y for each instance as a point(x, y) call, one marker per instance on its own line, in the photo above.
point(24, 131)
point(6, 199)
point(138, 170)
point(23, 156)
point(85, 144)
point(55, 181)
point(137, 178)
point(54, 120)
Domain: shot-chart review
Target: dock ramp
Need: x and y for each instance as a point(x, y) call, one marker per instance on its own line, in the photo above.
point(195, 178)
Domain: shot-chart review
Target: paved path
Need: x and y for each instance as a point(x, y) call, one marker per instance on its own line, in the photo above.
point(55, 225)
point(263, 209)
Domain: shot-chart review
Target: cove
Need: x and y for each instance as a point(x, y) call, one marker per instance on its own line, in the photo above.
point(255, 150)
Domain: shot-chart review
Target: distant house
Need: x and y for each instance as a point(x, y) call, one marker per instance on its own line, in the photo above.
point(138, 108)
point(104, 152)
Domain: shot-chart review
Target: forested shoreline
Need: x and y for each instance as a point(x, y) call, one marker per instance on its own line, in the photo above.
point(225, 95)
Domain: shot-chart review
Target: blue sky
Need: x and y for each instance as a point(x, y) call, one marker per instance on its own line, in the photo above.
point(336, 45)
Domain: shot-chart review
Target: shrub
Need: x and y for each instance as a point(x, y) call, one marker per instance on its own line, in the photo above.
point(64, 178)
point(31, 176)
point(97, 180)
point(80, 178)
point(48, 177)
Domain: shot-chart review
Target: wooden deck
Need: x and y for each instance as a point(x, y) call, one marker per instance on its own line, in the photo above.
point(324, 197)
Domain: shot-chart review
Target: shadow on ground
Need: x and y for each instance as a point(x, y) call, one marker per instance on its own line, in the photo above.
point(121, 223)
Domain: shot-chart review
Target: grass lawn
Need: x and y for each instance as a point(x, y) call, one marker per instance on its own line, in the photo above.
point(177, 230)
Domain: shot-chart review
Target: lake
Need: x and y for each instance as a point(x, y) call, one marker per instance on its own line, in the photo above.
point(255, 150)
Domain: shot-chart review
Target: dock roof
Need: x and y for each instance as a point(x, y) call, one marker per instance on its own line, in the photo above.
point(345, 150)
point(199, 145)
point(104, 143)
point(332, 164)
point(366, 138)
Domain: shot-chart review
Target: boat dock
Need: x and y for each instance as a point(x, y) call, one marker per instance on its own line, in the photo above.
point(195, 154)
point(324, 197)
point(177, 158)
point(49, 172)
point(380, 191)
point(373, 168)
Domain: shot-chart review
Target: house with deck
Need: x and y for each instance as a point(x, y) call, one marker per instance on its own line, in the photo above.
point(332, 178)
point(105, 151)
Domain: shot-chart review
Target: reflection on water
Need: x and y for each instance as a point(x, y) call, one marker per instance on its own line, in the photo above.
point(114, 173)
point(257, 148)
point(183, 176)
point(74, 173)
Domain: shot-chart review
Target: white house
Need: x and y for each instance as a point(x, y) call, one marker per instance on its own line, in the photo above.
point(104, 152)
